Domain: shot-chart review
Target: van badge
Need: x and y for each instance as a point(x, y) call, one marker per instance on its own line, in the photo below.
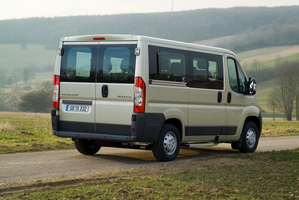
point(124, 96)
point(70, 95)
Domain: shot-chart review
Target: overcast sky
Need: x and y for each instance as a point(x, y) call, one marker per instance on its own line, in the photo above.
point(16, 9)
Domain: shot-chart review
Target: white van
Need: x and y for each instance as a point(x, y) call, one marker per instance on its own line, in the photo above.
point(149, 93)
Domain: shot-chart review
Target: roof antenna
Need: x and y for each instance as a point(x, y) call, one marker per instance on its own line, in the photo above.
point(172, 5)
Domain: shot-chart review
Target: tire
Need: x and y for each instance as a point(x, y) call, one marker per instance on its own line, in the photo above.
point(250, 137)
point(168, 145)
point(87, 147)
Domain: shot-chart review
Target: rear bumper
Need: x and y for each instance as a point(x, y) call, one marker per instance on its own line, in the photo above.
point(93, 136)
point(145, 127)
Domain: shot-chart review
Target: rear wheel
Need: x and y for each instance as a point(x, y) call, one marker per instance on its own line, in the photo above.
point(250, 137)
point(168, 145)
point(87, 147)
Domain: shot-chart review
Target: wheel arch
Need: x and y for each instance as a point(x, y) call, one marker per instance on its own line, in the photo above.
point(177, 123)
point(256, 120)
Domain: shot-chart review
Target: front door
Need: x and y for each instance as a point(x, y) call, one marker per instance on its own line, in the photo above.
point(237, 100)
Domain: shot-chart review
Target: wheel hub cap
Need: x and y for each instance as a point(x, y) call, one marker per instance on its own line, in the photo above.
point(250, 138)
point(170, 143)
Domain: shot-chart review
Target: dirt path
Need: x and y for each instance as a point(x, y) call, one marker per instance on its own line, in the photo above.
point(39, 165)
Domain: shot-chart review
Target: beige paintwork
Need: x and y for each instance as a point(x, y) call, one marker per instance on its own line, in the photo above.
point(192, 106)
point(77, 92)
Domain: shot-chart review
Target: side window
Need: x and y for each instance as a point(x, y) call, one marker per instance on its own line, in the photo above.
point(78, 63)
point(116, 63)
point(167, 64)
point(237, 79)
point(206, 71)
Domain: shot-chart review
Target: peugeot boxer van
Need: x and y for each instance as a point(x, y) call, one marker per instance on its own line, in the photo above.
point(149, 93)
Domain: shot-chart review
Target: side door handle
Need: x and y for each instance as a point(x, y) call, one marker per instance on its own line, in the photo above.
point(219, 96)
point(229, 97)
point(105, 91)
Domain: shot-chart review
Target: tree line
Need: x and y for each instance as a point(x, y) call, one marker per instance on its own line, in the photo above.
point(25, 74)
point(266, 36)
point(37, 99)
point(251, 25)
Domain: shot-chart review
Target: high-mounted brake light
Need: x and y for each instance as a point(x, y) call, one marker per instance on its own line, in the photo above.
point(98, 38)
point(56, 96)
point(139, 97)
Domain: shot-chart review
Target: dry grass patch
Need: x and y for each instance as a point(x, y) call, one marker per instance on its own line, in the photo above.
point(280, 128)
point(6, 126)
point(25, 115)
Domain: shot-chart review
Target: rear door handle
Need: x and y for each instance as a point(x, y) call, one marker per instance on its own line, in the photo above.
point(105, 91)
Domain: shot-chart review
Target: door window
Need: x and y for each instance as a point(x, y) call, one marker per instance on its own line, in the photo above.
point(167, 64)
point(78, 63)
point(237, 79)
point(116, 63)
point(206, 71)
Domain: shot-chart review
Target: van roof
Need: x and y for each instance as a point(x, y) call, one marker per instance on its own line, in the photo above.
point(123, 37)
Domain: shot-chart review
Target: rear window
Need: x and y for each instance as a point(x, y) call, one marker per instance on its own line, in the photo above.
point(116, 64)
point(79, 63)
point(98, 63)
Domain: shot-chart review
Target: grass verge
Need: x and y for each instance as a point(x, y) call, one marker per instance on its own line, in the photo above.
point(280, 128)
point(25, 132)
point(267, 115)
point(270, 175)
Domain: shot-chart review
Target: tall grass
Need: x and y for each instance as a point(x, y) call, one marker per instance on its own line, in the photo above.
point(6, 126)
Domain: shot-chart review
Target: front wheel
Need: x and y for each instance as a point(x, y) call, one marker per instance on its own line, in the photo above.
point(168, 145)
point(87, 147)
point(250, 137)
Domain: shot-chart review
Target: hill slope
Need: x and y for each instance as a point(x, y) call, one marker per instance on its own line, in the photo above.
point(188, 26)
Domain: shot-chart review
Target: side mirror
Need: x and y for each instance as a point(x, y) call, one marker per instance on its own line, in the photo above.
point(251, 86)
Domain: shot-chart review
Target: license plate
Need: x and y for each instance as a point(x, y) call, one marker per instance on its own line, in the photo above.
point(76, 108)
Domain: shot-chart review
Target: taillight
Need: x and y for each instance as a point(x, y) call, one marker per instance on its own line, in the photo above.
point(56, 97)
point(139, 98)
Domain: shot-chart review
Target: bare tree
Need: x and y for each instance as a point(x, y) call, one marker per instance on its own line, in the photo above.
point(256, 65)
point(3, 101)
point(285, 81)
point(14, 98)
point(296, 83)
point(272, 101)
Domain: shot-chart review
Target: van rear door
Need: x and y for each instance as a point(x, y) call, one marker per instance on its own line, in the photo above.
point(77, 87)
point(115, 89)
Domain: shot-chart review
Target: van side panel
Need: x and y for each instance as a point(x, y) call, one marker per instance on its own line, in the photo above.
point(167, 90)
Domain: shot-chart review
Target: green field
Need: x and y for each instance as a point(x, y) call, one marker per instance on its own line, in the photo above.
point(271, 63)
point(12, 56)
point(26, 132)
